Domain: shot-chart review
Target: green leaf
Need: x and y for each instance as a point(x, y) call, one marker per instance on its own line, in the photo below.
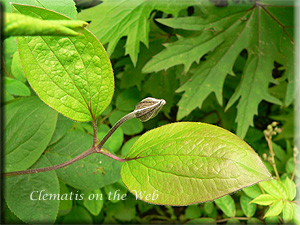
point(264, 199)
point(252, 191)
point(16, 87)
point(115, 19)
point(93, 201)
point(275, 188)
point(28, 196)
point(288, 211)
point(63, 124)
point(247, 207)
point(224, 32)
point(22, 25)
point(90, 173)
point(291, 188)
point(66, 7)
point(8, 53)
point(65, 203)
point(296, 212)
point(133, 76)
point(127, 146)
point(162, 85)
point(130, 127)
point(187, 157)
point(123, 210)
point(227, 205)
point(29, 125)
point(116, 192)
point(71, 74)
point(127, 100)
point(17, 69)
point(275, 209)
point(78, 215)
point(192, 212)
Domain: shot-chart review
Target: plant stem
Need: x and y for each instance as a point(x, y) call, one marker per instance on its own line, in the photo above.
point(272, 154)
point(113, 129)
point(94, 149)
point(144, 112)
point(55, 167)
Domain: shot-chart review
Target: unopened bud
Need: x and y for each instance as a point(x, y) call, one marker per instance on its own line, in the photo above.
point(148, 108)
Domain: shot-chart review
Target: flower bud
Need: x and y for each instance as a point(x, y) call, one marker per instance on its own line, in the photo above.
point(148, 108)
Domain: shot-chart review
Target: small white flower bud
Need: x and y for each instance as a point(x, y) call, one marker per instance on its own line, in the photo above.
point(148, 108)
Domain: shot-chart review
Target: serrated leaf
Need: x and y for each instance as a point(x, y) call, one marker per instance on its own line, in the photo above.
point(288, 211)
point(247, 207)
point(114, 19)
point(225, 33)
point(22, 25)
point(275, 209)
point(90, 173)
point(188, 157)
point(71, 74)
point(133, 76)
point(29, 125)
point(93, 201)
point(16, 87)
point(264, 199)
point(226, 204)
point(22, 195)
point(290, 188)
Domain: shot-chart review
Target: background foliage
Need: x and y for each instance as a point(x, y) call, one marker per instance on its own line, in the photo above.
point(183, 52)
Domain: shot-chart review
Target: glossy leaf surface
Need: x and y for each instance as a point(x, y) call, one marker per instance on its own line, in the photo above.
point(198, 162)
point(73, 75)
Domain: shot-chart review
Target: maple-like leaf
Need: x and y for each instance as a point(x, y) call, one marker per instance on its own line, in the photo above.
point(224, 33)
point(114, 19)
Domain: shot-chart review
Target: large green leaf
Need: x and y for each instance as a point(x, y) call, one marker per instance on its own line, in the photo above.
point(71, 74)
point(90, 173)
point(33, 197)
point(29, 125)
point(224, 33)
point(114, 19)
point(197, 162)
point(21, 25)
point(66, 7)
